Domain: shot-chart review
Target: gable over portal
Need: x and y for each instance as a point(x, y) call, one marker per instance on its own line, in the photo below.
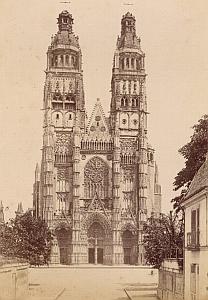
point(98, 125)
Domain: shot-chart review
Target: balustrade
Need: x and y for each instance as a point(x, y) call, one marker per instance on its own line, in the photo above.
point(98, 145)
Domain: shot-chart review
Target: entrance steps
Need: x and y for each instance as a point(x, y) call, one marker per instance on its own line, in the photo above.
point(144, 291)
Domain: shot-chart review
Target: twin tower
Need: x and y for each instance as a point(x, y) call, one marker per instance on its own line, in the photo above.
point(98, 180)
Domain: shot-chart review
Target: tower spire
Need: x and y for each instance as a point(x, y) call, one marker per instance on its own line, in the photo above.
point(1, 213)
point(19, 211)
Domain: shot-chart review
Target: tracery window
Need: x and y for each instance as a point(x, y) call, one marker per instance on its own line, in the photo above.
point(96, 178)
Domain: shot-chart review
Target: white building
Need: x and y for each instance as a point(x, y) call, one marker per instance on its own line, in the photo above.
point(196, 236)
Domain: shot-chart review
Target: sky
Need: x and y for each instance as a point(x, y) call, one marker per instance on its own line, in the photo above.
point(174, 37)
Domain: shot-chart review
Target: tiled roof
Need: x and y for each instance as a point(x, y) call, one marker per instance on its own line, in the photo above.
point(200, 180)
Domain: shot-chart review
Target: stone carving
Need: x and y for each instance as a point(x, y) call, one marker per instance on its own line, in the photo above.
point(96, 170)
point(96, 205)
point(62, 174)
point(117, 88)
point(124, 87)
point(129, 87)
point(128, 174)
point(63, 143)
point(128, 146)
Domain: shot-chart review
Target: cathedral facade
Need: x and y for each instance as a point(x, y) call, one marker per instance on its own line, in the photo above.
point(98, 180)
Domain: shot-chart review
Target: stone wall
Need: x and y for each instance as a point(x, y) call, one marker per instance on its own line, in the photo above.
point(14, 281)
point(171, 281)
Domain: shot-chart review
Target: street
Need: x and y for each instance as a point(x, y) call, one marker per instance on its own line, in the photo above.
point(92, 283)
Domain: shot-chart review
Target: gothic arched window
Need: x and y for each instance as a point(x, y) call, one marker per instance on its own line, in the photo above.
point(96, 178)
point(132, 63)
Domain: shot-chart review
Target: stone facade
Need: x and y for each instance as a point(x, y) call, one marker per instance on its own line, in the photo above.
point(98, 180)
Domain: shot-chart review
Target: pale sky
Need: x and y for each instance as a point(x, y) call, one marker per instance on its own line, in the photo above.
point(174, 36)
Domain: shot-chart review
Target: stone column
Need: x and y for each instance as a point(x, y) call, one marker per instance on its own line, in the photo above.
point(117, 257)
point(142, 165)
point(76, 251)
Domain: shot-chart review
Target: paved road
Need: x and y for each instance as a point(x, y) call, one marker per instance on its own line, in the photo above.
point(87, 283)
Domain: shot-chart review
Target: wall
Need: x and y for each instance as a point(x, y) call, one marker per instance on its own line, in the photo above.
point(14, 282)
point(201, 203)
point(171, 281)
point(196, 271)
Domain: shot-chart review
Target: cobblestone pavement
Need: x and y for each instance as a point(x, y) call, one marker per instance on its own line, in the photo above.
point(84, 283)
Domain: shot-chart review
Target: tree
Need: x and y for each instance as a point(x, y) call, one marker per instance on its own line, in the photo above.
point(163, 238)
point(27, 238)
point(194, 153)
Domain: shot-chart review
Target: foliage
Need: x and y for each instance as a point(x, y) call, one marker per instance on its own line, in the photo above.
point(163, 238)
point(28, 238)
point(194, 153)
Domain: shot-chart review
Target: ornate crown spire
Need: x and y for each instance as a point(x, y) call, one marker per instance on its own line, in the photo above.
point(65, 21)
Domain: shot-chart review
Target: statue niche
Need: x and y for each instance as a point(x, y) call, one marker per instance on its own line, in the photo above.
point(96, 178)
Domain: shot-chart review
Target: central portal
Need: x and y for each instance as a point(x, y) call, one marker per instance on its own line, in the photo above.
point(96, 237)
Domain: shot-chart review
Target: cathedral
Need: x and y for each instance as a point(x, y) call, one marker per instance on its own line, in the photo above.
point(98, 179)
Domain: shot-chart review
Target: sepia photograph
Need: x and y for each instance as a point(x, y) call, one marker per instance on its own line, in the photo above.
point(104, 150)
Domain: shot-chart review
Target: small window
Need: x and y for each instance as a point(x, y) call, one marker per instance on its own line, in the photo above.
point(133, 102)
point(62, 60)
point(122, 63)
point(97, 124)
point(132, 63)
point(193, 268)
point(67, 60)
point(57, 116)
point(137, 64)
point(70, 116)
point(65, 20)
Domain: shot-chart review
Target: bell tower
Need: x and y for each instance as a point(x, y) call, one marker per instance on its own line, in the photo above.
point(128, 116)
point(128, 79)
point(64, 108)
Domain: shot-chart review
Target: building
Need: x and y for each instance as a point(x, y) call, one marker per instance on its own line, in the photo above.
point(98, 180)
point(196, 236)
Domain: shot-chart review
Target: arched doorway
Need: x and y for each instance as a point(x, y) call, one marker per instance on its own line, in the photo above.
point(64, 237)
point(129, 247)
point(96, 240)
